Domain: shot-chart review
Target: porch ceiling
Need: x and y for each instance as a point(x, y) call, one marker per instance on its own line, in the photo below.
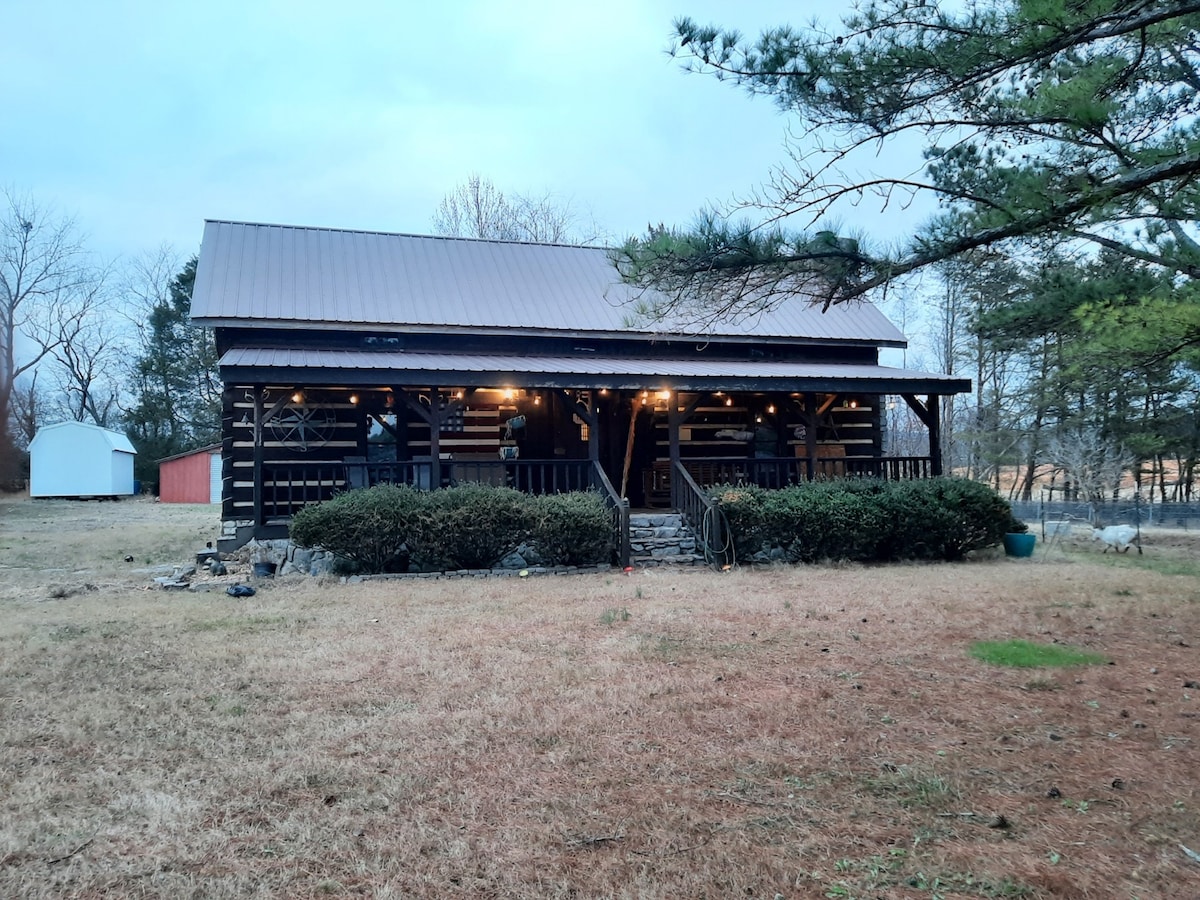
point(359, 367)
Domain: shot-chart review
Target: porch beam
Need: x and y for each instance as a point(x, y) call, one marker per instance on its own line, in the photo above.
point(433, 415)
point(825, 407)
point(676, 417)
point(929, 413)
point(572, 407)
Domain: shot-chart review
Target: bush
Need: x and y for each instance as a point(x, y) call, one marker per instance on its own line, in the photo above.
point(866, 519)
point(470, 526)
point(573, 529)
point(368, 527)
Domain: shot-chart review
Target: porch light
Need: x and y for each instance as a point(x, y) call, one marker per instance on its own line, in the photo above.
point(771, 409)
point(645, 395)
point(537, 399)
point(458, 395)
point(851, 403)
point(354, 399)
point(298, 397)
point(663, 395)
point(729, 401)
point(603, 392)
point(508, 393)
point(758, 419)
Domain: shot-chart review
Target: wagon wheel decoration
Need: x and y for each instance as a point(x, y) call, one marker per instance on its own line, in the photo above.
point(302, 428)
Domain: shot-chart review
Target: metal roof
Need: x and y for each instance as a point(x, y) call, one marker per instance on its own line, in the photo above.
point(286, 276)
point(363, 367)
point(117, 441)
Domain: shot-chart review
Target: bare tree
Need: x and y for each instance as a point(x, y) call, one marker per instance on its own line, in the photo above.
point(1093, 463)
point(89, 349)
point(478, 209)
point(27, 409)
point(41, 270)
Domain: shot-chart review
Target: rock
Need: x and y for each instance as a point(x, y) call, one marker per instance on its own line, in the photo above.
point(217, 568)
point(301, 560)
point(514, 560)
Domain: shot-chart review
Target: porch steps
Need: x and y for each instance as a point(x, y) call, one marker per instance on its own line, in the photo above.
point(661, 539)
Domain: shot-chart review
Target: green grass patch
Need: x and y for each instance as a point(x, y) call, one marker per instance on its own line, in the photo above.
point(239, 623)
point(1028, 655)
point(615, 614)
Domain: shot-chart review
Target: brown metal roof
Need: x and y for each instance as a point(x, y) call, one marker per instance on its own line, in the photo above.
point(278, 275)
point(363, 367)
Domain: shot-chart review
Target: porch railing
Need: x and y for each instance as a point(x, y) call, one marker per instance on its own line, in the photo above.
point(619, 507)
point(703, 516)
point(288, 487)
point(778, 472)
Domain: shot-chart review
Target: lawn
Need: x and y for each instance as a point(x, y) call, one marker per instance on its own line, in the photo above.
point(791, 732)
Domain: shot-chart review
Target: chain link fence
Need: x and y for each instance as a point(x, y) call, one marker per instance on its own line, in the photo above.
point(1125, 512)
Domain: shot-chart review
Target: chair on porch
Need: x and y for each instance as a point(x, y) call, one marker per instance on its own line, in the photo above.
point(356, 472)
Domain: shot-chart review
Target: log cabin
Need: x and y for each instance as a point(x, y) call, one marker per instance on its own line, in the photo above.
point(350, 358)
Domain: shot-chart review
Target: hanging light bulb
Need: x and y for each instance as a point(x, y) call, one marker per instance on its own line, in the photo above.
point(729, 401)
point(354, 399)
point(771, 409)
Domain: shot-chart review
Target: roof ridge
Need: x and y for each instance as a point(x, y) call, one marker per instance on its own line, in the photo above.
point(403, 234)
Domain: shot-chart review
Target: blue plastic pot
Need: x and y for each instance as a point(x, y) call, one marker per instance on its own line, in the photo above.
point(1019, 544)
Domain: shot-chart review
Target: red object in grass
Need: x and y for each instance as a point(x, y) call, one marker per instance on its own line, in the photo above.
point(629, 570)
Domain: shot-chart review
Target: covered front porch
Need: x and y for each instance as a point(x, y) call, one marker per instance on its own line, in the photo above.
point(289, 444)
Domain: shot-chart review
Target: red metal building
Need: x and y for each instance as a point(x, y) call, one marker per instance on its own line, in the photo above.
point(192, 477)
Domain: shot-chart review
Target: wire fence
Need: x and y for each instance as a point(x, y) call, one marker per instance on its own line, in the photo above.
point(1125, 512)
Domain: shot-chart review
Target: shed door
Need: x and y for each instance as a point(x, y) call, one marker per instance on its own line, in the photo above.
point(214, 478)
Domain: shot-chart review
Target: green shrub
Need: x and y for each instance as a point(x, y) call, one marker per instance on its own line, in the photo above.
point(866, 519)
point(573, 529)
point(470, 526)
point(743, 510)
point(368, 527)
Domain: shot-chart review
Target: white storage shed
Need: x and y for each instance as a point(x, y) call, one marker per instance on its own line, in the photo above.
point(74, 459)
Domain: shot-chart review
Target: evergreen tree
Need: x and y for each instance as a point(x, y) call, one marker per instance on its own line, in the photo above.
point(178, 404)
point(1073, 120)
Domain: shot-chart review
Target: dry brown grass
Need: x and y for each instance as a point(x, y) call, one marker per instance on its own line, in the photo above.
point(806, 732)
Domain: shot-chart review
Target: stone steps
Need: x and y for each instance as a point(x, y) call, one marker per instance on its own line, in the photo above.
point(661, 539)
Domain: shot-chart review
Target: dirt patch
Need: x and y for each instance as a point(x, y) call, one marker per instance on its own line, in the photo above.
point(794, 732)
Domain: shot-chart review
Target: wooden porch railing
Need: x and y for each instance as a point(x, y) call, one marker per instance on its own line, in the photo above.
point(619, 508)
point(703, 516)
point(773, 473)
point(288, 487)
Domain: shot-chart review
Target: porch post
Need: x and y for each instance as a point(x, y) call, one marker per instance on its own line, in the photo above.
point(930, 415)
point(810, 435)
point(435, 441)
point(258, 454)
point(935, 434)
point(674, 420)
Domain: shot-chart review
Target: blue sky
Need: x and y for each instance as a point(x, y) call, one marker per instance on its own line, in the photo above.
point(144, 118)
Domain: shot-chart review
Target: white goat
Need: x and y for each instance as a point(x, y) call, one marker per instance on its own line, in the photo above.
point(1118, 536)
